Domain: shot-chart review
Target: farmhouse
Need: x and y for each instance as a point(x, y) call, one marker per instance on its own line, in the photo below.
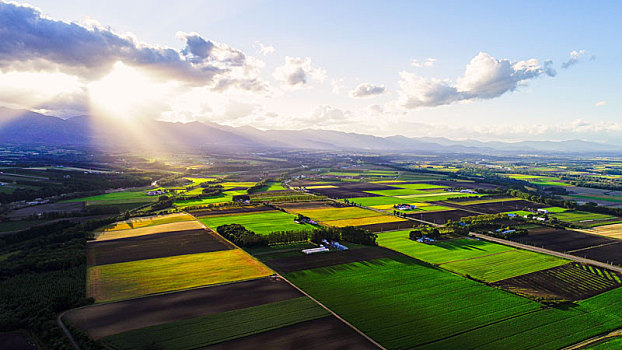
point(542, 211)
point(315, 250)
point(468, 191)
point(404, 207)
point(156, 193)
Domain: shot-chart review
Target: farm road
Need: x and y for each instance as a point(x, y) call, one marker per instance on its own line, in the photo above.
point(546, 251)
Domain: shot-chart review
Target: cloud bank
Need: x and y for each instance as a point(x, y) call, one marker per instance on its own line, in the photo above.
point(485, 77)
point(30, 41)
point(296, 72)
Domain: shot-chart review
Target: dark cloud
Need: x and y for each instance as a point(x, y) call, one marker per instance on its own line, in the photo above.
point(30, 41)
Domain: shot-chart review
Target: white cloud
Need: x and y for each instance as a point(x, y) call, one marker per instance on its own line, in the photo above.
point(428, 62)
point(485, 77)
point(296, 72)
point(575, 55)
point(337, 85)
point(367, 90)
point(600, 103)
point(264, 49)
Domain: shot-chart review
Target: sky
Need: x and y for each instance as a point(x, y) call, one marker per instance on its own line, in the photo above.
point(486, 70)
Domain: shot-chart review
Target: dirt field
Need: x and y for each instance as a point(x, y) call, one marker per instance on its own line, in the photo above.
point(503, 206)
point(327, 333)
point(304, 262)
point(611, 253)
point(562, 240)
point(108, 319)
point(157, 245)
point(46, 208)
point(441, 217)
point(567, 282)
point(175, 226)
point(458, 184)
point(340, 193)
point(311, 205)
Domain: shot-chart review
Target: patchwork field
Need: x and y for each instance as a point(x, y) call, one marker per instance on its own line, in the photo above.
point(572, 281)
point(441, 217)
point(613, 231)
point(580, 244)
point(153, 246)
point(365, 221)
point(149, 230)
point(148, 221)
point(263, 222)
point(576, 216)
point(482, 260)
point(137, 278)
point(329, 214)
point(388, 298)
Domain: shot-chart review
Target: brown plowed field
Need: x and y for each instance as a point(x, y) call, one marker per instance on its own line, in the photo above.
point(340, 193)
point(158, 245)
point(327, 333)
point(107, 319)
point(503, 206)
point(441, 217)
point(312, 261)
point(561, 240)
point(567, 282)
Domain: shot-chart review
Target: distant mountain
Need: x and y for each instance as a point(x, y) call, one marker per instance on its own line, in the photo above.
point(20, 127)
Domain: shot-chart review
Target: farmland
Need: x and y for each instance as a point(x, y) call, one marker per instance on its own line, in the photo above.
point(613, 231)
point(125, 280)
point(400, 294)
point(481, 260)
point(148, 230)
point(261, 222)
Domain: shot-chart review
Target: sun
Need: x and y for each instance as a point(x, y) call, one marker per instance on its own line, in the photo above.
point(126, 93)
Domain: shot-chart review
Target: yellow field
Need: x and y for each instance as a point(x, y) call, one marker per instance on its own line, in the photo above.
point(320, 186)
point(148, 221)
point(174, 226)
point(363, 221)
point(137, 278)
point(613, 231)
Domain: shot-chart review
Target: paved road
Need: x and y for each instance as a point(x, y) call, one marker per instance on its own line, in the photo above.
point(547, 251)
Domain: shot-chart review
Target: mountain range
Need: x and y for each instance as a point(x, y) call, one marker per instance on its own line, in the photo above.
point(27, 128)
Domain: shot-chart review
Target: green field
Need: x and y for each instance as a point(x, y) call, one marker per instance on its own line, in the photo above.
point(578, 216)
point(203, 331)
point(142, 277)
point(616, 199)
point(555, 209)
point(118, 198)
point(371, 201)
point(496, 267)
point(272, 186)
point(429, 197)
point(329, 214)
point(485, 261)
point(260, 222)
point(439, 252)
point(221, 198)
point(9, 226)
point(402, 192)
point(402, 304)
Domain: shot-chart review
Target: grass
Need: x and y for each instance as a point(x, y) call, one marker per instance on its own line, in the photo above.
point(207, 330)
point(137, 278)
point(221, 198)
point(496, 267)
point(372, 201)
point(142, 231)
point(403, 304)
point(118, 197)
point(441, 251)
point(556, 210)
point(272, 186)
point(328, 214)
point(609, 344)
point(578, 216)
point(260, 222)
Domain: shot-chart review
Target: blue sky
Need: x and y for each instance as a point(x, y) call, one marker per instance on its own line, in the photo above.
point(338, 45)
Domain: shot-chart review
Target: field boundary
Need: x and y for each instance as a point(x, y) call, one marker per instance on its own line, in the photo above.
point(333, 313)
point(546, 251)
point(59, 320)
